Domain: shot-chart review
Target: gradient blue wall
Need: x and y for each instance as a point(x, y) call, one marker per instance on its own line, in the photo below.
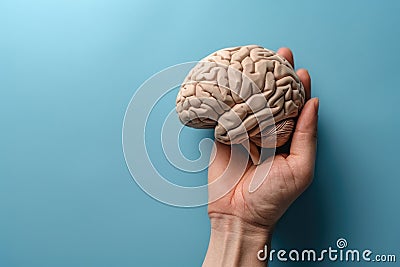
point(69, 68)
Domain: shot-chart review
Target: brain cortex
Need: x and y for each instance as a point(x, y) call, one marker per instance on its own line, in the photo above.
point(245, 93)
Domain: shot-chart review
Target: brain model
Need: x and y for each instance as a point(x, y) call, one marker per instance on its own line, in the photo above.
point(245, 93)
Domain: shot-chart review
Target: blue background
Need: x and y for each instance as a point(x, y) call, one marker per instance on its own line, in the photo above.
point(69, 68)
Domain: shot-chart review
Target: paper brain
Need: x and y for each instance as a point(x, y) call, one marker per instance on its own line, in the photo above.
point(245, 92)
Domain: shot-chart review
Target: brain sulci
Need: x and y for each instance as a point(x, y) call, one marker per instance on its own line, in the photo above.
point(245, 93)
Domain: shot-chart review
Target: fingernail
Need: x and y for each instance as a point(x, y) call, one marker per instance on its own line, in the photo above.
point(316, 104)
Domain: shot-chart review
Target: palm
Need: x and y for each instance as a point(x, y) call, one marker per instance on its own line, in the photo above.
point(267, 203)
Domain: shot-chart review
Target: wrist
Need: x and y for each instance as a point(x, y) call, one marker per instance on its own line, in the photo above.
point(234, 225)
point(235, 242)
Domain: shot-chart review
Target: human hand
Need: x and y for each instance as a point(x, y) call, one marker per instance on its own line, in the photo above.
point(243, 219)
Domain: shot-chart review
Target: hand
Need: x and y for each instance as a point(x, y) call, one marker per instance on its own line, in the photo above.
point(249, 218)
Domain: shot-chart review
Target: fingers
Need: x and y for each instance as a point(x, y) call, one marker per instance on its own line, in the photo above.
point(304, 141)
point(286, 53)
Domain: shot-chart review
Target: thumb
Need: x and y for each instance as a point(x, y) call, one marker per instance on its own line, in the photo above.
point(304, 141)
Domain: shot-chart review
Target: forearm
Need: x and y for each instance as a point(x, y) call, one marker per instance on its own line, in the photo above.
point(236, 243)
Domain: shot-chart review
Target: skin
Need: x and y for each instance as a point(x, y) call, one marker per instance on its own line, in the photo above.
point(242, 223)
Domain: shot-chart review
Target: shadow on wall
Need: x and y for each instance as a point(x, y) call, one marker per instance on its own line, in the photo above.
point(308, 222)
